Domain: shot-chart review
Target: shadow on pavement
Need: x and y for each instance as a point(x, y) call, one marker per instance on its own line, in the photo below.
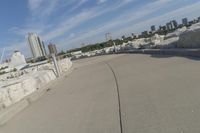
point(170, 56)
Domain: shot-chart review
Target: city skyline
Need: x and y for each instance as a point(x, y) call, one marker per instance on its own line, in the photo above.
point(85, 21)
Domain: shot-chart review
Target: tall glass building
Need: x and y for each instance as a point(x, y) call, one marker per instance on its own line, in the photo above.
point(36, 45)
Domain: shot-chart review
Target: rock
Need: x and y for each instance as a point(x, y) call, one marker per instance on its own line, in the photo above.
point(190, 38)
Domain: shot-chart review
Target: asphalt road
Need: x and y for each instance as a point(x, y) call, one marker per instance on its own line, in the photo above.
point(157, 95)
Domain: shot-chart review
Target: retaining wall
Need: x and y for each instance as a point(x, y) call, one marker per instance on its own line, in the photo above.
point(175, 52)
point(18, 88)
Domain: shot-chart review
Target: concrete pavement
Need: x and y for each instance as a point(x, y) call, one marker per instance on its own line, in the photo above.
point(158, 95)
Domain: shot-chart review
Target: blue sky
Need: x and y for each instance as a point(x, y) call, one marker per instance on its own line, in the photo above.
point(70, 23)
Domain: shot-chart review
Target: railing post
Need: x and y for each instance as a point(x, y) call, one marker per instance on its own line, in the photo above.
point(56, 64)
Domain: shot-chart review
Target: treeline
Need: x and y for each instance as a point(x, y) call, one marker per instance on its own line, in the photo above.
point(97, 46)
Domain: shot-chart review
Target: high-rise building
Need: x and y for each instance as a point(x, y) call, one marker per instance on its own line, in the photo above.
point(169, 26)
point(162, 28)
point(133, 35)
point(145, 33)
point(44, 49)
point(198, 19)
point(52, 49)
point(153, 28)
point(174, 24)
point(185, 21)
point(36, 46)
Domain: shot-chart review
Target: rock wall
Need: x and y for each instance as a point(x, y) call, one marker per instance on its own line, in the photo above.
point(15, 92)
point(16, 89)
point(189, 39)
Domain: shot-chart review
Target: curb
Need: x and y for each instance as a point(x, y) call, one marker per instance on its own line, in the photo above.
point(8, 113)
point(11, 111)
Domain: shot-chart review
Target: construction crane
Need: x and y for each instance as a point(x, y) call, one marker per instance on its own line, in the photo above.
point(110, 41)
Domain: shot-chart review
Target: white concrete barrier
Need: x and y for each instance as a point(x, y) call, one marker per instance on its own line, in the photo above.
point(65, 65)
point(5, 100)
point(27, 84)
point(15, 92)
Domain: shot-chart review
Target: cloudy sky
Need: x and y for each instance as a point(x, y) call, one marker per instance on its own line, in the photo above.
point(70, 23)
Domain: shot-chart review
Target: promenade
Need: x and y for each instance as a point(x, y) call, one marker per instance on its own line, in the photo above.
point(158, 94)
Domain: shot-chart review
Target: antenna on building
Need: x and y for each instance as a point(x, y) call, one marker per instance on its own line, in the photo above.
point(2, 55)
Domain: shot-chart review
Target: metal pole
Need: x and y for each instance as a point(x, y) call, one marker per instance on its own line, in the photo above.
point(56, 65)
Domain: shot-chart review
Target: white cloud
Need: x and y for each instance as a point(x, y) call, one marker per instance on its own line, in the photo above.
point(118, 22)
point(101, 1)
point(34, 4)
point(67, 25)
point(42, 8)
point(77, 6)
point(83, 16)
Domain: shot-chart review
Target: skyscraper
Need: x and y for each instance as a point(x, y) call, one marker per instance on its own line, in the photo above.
point(174, 24)
point(153, 28)
point(133, 35)
point(52, 49)
point(44, 49)
point(169, 26)
point(36, 46)
point(185, 21)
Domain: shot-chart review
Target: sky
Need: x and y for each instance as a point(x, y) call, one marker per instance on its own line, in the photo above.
point(71, 23)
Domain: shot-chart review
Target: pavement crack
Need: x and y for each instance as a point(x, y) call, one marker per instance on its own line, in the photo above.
point(118, 96)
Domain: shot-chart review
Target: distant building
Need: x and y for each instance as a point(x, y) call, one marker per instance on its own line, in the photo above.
point(52, 49)
point(174, 24)
point(195, 21)
point(144, 34)
point(169, 26)
point(123, 37)
point(44, 49)
point(108, 36)
point(192, 22)
point(162, 28)
point(185, 21)
point(198, 19)
point(133, 35)
point(76, 53)
point(153, 28)
point(36, 46)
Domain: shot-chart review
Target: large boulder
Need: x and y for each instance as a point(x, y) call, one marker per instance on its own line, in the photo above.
point(190, 39)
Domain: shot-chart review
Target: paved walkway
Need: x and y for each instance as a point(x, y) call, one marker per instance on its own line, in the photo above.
point(158, 95)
